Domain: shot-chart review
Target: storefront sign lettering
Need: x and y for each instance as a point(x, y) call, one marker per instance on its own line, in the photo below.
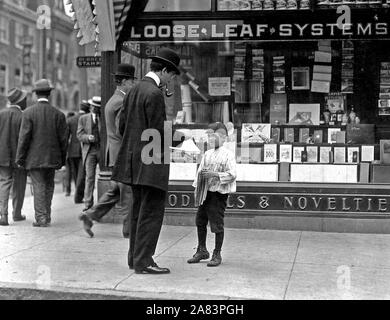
point(223, 30)
point(297, 203)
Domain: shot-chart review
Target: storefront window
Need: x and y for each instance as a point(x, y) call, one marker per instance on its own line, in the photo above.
point(178, 5)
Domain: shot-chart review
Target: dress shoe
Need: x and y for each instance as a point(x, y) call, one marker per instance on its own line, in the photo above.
point(216, 259)
point(19, 218)
point(201, 254)
point(40, 224)
point(153, 269)
point(78, 201)
point(87, 224)
point(4, 220)
point(126, 235)
point(67, 194)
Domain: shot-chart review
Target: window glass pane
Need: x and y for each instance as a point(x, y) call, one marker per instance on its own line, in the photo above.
point(178, 5)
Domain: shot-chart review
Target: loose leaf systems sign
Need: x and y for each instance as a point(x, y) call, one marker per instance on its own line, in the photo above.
point(316, 25)
point(89, 62)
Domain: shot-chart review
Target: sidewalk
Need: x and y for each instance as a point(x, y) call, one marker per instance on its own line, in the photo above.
point(257, 264)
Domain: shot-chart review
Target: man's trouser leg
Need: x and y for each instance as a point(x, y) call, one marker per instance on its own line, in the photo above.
point(134, 213)
point(90, 168)
point(106, 202)
point(38, 179)
point(68, 177)
point(150, 219)
point(5, 188)
point(18, 192)
point(125, 203)
point(49, 191)
point(80, 180)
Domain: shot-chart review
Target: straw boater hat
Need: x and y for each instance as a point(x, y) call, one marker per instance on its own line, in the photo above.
point(169, 57)
point(42, 85)
point(84, 106)
point(16, 95)
point(95, 102)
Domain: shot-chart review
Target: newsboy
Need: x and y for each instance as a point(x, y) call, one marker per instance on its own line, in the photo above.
point(144, 108)
point(42, 149)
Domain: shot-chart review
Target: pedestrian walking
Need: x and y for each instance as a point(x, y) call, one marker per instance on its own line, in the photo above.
point(67, 179)
point(74, 158)
point(144, 108)
point(42, 149)
point(88, 133)
point(11, 177)
point(118, 193)
point(216, 178)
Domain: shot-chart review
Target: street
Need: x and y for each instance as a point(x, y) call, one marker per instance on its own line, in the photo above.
point(257, 264)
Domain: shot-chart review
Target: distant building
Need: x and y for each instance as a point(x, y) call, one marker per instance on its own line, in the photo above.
point(53, 52)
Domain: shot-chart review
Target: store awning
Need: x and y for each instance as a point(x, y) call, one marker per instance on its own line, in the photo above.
point(102, 21)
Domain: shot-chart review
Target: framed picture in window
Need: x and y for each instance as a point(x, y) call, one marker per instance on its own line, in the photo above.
point(300, 78)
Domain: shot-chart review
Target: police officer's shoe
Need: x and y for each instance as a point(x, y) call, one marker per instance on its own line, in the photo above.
point(40, 224)
point(216, 259)
point(201, 254)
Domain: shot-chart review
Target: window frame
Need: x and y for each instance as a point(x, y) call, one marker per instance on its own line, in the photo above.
point(6, 30)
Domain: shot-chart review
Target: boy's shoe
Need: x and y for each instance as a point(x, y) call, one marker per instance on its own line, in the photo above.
point(201, 254)
point(215, 260)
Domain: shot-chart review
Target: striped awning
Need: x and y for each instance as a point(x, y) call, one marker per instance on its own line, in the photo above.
point(121, 9)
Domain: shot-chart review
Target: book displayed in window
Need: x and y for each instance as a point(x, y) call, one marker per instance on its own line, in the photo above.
point(285, 152)
point(303, 135)
point(297, 154)
point(288, 134)
point(270, 152)
point(256, 132)
point(318, 136)
point(339, 154)
point(340, 137)
point(384, 151)
point(367, 153)
point(325, 154)
point(332, 134)
point(275, 134)
point(353, 154)
point(312, 154)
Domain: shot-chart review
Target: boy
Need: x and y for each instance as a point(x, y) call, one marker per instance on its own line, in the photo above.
point(216, 178)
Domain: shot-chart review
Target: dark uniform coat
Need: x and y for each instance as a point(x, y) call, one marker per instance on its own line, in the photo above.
point(114, 138)
point(42, 138)
point(10, 121)
point(83, 131)
point(143, 108)
point(74, 145)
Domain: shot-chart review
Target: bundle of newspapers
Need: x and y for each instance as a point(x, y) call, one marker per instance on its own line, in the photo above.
point(202, 186)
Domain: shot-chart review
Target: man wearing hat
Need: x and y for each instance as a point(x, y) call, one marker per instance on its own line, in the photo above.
point(88, 133)
point(119, 192)
point(143, 109)
point(74, 159)
point(42, 149)
point(10, 175)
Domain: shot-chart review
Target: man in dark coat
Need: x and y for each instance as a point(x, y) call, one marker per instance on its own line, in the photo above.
point(88, 133)
point(42, 149)
point(119, 193)
point(74, 159)
point(10, 175)
point(144, 108)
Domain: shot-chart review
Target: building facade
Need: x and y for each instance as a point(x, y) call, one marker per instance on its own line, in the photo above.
point(28, 52)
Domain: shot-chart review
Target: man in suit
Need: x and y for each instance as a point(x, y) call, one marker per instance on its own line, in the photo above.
point(10, 175)
point(119, 193)
point(74, 159)
point(42, 149)
point(144, 108)
point(88, 133)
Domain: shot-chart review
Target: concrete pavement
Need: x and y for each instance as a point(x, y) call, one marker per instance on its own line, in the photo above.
point(257, 264)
